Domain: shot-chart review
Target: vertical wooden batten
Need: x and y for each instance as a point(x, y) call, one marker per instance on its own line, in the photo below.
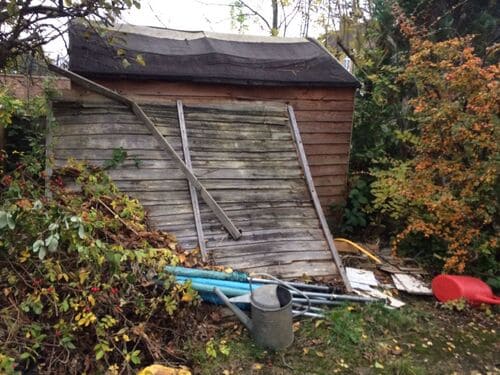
point(192, 190)
point(317, 205)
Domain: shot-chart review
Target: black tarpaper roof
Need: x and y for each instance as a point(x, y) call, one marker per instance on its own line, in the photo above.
point(174, 55)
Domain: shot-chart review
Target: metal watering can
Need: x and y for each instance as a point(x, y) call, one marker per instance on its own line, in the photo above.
point(271, 309)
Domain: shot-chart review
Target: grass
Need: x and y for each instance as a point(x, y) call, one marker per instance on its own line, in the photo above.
point(417, 339)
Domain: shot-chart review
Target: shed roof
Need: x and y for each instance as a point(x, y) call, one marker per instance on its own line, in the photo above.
point(197, 56)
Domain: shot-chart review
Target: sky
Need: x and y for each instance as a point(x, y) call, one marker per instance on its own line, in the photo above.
point(191, 15)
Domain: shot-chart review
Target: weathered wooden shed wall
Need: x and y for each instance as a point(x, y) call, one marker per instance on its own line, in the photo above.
point(243, 153)
point(324, 117)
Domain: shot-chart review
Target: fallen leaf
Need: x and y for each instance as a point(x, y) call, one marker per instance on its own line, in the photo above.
point(257, 366)
point(378, 365)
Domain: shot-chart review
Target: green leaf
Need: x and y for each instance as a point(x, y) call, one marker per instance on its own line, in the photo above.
point(51, 242)
point(6, 220)
point(3, 219)
point(42, 252)
point(99, 354)
point(135, 357)
point(37, 245)
point(81, 231)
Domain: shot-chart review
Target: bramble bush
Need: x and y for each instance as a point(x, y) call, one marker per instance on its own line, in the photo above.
point(82, 287)
point(447, 195)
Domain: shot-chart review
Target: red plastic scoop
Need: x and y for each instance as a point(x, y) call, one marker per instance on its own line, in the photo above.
point(475, 291)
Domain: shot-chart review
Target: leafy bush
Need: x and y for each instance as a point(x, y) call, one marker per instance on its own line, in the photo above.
point(447, 194)
point(81, 274)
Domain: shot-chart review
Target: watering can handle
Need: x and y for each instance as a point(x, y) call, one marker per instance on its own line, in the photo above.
point(240, 314)
point(285, 285)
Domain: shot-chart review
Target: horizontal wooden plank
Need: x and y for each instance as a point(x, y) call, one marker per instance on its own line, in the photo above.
point(227, 196)
point(248, 119)
point(269, 213)
point(234, 248)
point(157, 211)
point(84, 118)
point(326, 191)
point(268, 258)
point(321, 105)
point(167, 184)
point(78, 109)
point(261, 145)
point(267, 236)
point(235, 126)
point(326, 138)
point(100, 129)
point(323, 116)
point(133, 174)
point(136, 163)
point(248, 173)
point(240, 106)
point(328, 159)
point(108, 141)
point(183, 90)
point(236, 134)
point(149, 154)
point(335, 180)
point(132, 142)
point(296, 269)
point(244, 225)
point(328, 170)
point(258, 205)
point(327, 201)
point(324, 127)
point(326, 149)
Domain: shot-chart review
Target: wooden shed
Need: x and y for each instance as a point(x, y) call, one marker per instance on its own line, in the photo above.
point(263, 122)
point(203, 67)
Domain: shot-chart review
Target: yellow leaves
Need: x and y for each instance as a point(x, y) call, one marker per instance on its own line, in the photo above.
point(378, 365)
point(91, 300)
point(83, 274)
point(25, 254)
point(188, 296)
point(257, 366)
point(164, 370)
point(85, 318)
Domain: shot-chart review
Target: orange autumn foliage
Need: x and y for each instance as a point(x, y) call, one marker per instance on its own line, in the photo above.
point(452, 182)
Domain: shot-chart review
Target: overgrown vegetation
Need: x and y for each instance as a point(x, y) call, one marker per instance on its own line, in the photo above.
point(80, 273)
point(424, 150)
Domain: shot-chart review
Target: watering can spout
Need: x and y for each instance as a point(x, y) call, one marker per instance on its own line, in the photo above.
point(237, 311)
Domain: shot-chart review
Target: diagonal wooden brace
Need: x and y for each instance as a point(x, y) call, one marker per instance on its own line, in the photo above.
point(205, 195)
